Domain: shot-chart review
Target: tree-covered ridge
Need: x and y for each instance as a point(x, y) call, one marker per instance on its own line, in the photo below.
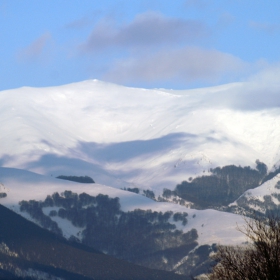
point(30, 252)
point(143, 237)
point(223, 186)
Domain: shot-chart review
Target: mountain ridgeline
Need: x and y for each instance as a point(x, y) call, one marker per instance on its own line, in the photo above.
point(147, 142)
point(223, 186)
point(142, 237)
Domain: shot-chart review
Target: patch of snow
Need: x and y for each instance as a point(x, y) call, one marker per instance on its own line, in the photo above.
point(68, 228)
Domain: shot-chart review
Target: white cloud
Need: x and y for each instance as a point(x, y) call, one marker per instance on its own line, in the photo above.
point(260, 91)
point(269, 75)
point(36, 48)
point(266, 27)
point(78, 24)
point(146, 30)
point(199, 4)
point(185, 65)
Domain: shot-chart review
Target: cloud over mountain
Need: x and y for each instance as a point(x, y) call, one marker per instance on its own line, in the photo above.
point(144, 31)
point(185, 65)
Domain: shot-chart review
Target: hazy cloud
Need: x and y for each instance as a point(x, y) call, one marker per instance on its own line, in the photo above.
point(266, 27)
point(199, 4)
point(77, 24)
point(267, 76)
point(146, 30)
point(184, 65)
point(260, 91)
point(35, 49)
point(225, 19)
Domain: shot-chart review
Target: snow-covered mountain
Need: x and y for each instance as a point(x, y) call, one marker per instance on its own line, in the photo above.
point(127, 138)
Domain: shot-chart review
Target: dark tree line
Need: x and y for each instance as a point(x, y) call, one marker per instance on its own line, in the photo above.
point(79, 179)
point(3, 194)
point(137, 235)
point(221, 187)
point(34, 208)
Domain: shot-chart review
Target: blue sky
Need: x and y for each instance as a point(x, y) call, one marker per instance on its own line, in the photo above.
point(157, 43)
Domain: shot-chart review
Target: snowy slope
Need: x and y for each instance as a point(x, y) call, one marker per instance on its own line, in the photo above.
point(152, 139)
point(212, 226)
point(263, 198)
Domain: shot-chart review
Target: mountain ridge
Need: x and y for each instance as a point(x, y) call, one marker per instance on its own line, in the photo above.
point(162, 144)
point(87, 125)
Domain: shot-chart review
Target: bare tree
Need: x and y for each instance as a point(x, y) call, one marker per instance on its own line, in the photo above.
point(257, 260)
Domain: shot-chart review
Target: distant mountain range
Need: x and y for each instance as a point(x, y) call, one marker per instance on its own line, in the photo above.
point(168, 173)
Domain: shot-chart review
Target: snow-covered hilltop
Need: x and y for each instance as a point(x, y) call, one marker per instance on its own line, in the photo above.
point(207, 148)
point(128, 137)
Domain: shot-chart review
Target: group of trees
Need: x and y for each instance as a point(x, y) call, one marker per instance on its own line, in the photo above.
point(3, 194)
point(78, 179)
point(34, 208)
point(141, 235)
point(136, 236)
point(222, 186)
point(257, 260)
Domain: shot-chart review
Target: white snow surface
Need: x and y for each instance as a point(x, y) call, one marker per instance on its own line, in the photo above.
point(267, 188)
point(212, 226)
point(129, 137)
point(258, 194)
